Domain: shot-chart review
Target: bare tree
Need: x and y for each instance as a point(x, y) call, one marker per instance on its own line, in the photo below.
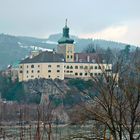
point(91, 48)
point(117, 104)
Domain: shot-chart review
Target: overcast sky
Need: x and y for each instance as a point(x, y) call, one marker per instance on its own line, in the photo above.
point(117, 20)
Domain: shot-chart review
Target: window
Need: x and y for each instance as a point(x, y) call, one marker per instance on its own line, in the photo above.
point(32, 71)
point(49, 70)
point(27, 71)
point(76, 67)
point(38, 66)
point(67, 56)
point(85, 74)
point(81, 74)
point(76, 73)
point(20, 71)
point(38, 71)
point(86, 67)
point(71, 56)
point(32, 76)
point(91, 74)
point(99, 67)
point(95, 67)
point(95, 74)
point(67, 71)
point(58, 70)
point(71, 67)
point(71, 71)
point(91, 67)
point(81, 67)
point(27, 66)
point(20, 66)
point(67, 67)
point(32, 66)
point(49, 66)
point(27, 76)
point(49, 76)
point(58, 66)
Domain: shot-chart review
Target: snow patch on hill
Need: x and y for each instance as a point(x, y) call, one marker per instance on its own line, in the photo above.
point(34, 47)
point(50, 42)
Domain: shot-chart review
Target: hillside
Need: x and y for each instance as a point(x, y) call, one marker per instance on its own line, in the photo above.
point(14, 48)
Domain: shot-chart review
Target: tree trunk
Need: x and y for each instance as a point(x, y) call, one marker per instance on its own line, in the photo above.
point(50, 131)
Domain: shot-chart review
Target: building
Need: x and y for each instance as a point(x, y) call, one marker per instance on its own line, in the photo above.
point(64, 63)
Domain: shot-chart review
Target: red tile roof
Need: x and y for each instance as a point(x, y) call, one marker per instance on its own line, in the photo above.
point(88, 57)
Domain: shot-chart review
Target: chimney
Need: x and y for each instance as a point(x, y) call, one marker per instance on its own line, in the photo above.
point(76, 57)
point(93, 60)
point(54, 51)
point(88, 58)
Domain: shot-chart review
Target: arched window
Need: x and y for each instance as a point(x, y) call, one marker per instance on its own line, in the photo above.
point(76, 67)
point(71, 67)
point(86, 67)
point(81, 74)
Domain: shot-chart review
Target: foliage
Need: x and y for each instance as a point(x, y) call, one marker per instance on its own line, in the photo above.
point(56, 101)
point(90, 48)
point(80, 83)
point(14, 91)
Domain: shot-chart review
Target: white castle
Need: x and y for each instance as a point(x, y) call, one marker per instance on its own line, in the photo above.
point(64, 63)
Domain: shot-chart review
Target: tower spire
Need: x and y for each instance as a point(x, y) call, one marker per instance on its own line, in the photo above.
point(65, 38)
point(66, 22)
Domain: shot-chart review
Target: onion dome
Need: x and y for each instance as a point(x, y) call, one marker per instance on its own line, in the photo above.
point(65, 38)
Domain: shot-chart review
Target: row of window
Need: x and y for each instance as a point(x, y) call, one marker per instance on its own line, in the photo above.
point(49, 76)
point(49, 66)
point(85, 74)
point(70, 67)
point(69, 56)
point(76, 74)
point(69, 51)
point(82, 67)
point(51, 71)
point(68, 71)
point(37, 71)
point(32, 71)
point(32, 66)
point(32, 76)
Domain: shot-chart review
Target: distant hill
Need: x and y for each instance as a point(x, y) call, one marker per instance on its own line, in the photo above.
point(81, 43)
point(14, 48)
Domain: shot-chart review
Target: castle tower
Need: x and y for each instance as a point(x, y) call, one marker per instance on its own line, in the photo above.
point(65, 45)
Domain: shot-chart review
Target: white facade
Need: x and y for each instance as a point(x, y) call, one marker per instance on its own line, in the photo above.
point(60, 70)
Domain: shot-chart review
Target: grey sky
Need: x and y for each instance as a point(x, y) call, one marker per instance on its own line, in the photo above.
point(108, 19)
